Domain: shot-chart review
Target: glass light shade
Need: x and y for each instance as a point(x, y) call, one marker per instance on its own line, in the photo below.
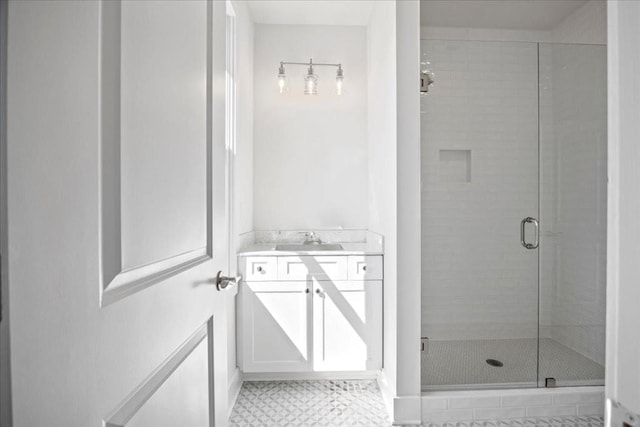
point(339, 83)
point(282, 83)
point(311, 84)
point(282, 79)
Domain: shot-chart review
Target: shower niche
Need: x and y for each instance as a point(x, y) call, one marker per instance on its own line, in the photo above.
point(513, 130)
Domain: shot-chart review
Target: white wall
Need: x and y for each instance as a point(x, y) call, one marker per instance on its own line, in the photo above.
point(394, 194)
point(382, 169)
point(243, 159)
point(409, 218)
point(623, 246)
point(310, 152)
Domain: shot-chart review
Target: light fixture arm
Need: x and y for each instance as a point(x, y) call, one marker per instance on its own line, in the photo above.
point(311, 63)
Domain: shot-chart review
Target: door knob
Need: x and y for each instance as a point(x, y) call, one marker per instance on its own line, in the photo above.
point(223, 281)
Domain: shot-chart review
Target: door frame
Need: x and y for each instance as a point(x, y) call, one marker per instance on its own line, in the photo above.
point(5, 363)
point(622, 378)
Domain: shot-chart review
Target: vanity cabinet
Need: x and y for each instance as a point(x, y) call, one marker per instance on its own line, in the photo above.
point(311, 314)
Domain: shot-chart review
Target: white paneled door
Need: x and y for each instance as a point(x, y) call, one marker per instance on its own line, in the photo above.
point(117, 217)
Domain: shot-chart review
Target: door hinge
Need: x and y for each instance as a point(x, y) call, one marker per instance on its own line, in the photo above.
point(424, 344)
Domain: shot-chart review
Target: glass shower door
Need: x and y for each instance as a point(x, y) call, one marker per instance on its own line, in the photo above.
point(480, 176)
point(573, 205)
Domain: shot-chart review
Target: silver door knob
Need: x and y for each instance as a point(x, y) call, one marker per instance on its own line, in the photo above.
point(223, 281)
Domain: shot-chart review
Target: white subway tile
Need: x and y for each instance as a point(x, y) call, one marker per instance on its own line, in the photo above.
point(527, 400)
point(591, 409)
point(582, 397)
point(498, 413)
point(449, 415)
point(431, 403)
point(475, 402)
point(551, 411)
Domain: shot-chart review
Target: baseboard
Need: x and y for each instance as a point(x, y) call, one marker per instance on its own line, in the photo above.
point(387, 392)
point(407, 411)
point(235, 384)
point(403, 411)
point(284, 376)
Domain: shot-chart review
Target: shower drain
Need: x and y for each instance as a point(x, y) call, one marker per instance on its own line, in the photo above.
point(496, 363)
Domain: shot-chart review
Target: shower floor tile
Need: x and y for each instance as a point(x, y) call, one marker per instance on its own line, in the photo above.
point(462, 364)
point(310, 403)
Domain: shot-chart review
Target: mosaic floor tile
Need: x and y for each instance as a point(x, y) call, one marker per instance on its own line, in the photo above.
point(310, 403)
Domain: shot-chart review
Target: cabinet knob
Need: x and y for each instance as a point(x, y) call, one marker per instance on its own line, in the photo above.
point(307, 291)
point(364, 268)
point(260, 269)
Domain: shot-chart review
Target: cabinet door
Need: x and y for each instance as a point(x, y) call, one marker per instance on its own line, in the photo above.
point(347, 325)
point(276, 319)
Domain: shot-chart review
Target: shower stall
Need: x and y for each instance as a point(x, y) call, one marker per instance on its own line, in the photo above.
point(513, 215)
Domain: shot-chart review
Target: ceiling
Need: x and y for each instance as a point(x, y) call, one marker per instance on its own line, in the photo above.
point(541, 15)
point(311, 12)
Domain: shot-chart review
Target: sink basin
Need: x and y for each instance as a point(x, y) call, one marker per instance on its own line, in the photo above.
point(310, 247)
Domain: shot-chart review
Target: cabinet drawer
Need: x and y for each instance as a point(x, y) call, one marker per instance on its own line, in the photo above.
point(363, 267)
point(261, 268)
point(316, 267)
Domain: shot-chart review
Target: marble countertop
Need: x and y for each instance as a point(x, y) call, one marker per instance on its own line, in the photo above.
point(353, 242)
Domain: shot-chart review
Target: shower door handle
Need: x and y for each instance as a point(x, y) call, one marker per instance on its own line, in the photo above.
point(523, 224)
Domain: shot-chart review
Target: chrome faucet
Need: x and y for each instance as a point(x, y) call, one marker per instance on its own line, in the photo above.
point(310, 238)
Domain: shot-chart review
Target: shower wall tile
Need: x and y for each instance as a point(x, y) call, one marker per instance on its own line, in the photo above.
point(479, 282)
point(485, 34)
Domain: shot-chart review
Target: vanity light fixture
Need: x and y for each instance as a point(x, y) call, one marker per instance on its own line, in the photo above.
point(282, 79)
point(310, 79)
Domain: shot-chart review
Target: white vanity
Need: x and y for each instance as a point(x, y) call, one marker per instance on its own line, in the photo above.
point(311, 308)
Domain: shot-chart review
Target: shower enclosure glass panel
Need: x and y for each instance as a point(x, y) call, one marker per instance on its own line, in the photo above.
point(513, 154)
point(480, 181)
point(573, 203)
